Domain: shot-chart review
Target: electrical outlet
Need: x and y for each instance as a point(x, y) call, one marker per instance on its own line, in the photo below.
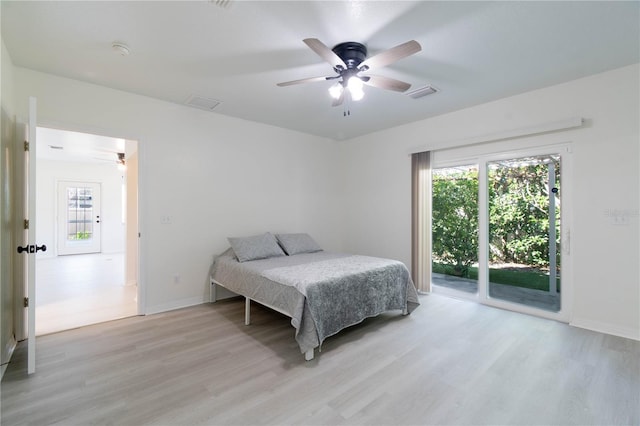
point(166, 220)
point(621, 219)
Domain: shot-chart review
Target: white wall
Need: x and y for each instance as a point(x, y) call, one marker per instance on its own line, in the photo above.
point(7, 244)
point(606, 286)
point(49, 173)
point(6, 83)
point(216, 176)
point(213, 175)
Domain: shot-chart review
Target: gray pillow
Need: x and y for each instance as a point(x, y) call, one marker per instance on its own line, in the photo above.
point(297, 243)
point(256, 247)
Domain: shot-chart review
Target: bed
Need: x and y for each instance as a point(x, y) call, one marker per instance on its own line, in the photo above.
point(322, 292)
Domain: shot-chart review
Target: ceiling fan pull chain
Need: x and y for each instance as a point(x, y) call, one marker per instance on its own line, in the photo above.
point(347, 109)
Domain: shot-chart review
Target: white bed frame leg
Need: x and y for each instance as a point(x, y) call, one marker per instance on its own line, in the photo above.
point(213, 291)
point(308, 355)
point(247, 311)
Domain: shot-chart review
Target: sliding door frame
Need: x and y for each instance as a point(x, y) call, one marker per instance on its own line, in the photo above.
point(566, 273)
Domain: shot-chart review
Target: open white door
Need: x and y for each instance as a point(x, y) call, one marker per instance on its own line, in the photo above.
point(30, 248)
point(30, 157)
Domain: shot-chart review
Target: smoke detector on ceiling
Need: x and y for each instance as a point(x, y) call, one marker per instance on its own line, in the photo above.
point(120, 48)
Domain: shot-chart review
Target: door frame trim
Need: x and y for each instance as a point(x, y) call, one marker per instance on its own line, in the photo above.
point(142, 193)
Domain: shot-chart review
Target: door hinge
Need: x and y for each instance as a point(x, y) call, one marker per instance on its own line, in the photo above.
point(25, 302)
point(26, 224)
point(26, 145)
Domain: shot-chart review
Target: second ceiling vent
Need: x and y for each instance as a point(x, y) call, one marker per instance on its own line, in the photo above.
point(422, 91)
point(202, 103)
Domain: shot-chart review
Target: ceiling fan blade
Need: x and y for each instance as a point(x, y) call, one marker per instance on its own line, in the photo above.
point(387, 57)
point(324, 52)
point(304, 80)
point(385, 83)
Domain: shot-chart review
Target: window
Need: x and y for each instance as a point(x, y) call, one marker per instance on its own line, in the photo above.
point(79, 213)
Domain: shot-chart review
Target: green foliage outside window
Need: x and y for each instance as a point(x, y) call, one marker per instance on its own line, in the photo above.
point(518, 216)
point(80, 235)
point(455, 219)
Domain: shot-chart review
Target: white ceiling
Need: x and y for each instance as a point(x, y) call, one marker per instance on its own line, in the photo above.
point(62, 145)
point(474, 52)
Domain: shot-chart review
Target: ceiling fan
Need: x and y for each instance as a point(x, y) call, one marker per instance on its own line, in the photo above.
point(348, 60)
point(120, 161)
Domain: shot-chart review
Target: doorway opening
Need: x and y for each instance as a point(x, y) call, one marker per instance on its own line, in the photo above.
point(524, 230)
point(86, 192)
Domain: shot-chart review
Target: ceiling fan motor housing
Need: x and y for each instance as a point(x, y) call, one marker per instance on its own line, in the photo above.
point(352, 53)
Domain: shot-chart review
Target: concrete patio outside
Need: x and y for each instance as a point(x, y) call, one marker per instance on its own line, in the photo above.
point(525, 296)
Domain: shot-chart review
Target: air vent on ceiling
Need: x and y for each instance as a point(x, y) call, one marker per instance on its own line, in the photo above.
point(222, 3)
point(423, 91)
point(202, 103)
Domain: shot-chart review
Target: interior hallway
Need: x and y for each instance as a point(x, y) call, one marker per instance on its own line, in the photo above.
point(78, 290)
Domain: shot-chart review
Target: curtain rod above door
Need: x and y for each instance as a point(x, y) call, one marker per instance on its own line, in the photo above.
point(555, 126)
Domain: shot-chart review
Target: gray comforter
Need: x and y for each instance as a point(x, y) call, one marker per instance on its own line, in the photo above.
point(322, 292)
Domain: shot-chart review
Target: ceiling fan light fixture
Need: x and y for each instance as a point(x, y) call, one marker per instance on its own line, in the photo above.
point(336, 90)
point(355, 86)
point(356, 95)
point(122, 165)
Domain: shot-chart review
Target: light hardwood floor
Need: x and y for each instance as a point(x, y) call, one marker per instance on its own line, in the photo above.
point(449, 362)
point(78, 290)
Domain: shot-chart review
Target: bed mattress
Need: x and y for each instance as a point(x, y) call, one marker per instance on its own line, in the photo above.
point(322, 292)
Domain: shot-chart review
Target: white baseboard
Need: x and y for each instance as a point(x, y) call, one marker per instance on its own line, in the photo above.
point(602, 327)
point(175, 304)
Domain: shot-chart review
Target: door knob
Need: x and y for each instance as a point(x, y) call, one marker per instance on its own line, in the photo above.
point(32, 248)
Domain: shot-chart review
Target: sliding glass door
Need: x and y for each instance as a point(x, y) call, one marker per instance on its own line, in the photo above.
point(497, 228)
point(524, 231)
point(454, 227)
